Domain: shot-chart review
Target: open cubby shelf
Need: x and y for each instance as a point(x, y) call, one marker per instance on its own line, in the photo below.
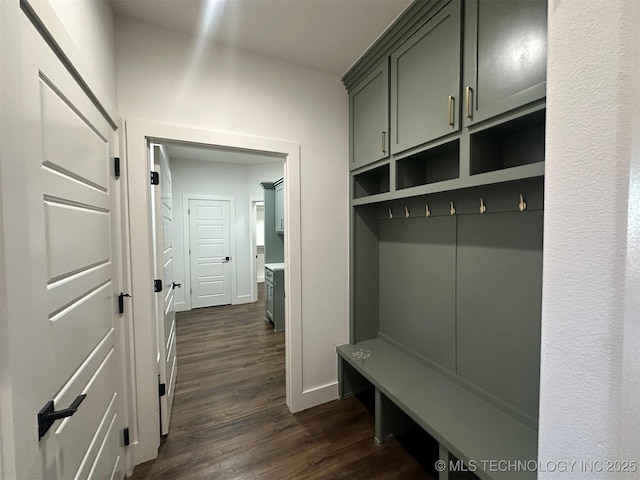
point(429, 166)
point(371, 182)
point(510, 144)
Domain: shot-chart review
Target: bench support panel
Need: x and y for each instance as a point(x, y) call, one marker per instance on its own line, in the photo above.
point(350, 381)
point(390, 419)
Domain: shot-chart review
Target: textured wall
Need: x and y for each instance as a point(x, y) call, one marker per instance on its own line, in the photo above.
point(591, 316)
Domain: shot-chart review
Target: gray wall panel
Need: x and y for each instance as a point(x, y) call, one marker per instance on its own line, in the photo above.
point(417, 286)
point(499, 265)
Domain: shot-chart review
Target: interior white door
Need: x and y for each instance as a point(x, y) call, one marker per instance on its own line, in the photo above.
point(210, 244)
point(165, 304)
point(63, 340)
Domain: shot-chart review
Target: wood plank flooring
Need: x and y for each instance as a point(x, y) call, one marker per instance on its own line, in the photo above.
point(230, 420)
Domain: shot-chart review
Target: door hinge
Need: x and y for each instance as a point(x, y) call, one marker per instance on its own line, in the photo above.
point(121, 302)
point(189, 251)
point(162, 389)
point(116, 166)
point(157, 285)
point(125, 435)
point(155, 178)
point(188, 211)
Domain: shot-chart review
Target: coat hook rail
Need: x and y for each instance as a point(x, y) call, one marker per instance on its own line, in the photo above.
point(390, 214)
point(452, 209)
point(406, 212)
point(427, 211)
point(483, 207)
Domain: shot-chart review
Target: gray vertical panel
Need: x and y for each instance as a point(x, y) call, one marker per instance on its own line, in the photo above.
point(499, 305)
point(417, 286)
point(365, 275)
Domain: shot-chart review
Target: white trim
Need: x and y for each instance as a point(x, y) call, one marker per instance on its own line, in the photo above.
point(186, 242)
point(138, 133)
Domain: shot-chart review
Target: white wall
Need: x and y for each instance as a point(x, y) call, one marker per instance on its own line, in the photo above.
point(208, 178)
point(229, 90)
point(90, 23)
point(590, 365)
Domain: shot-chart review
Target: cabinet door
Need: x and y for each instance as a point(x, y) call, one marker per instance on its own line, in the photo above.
point(505, 61)
point(425, 82)
point(269, 300)
point(280, 208)
point(369, 121)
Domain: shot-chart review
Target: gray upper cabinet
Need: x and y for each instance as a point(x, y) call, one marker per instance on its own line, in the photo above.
point(425, 82)
point(505, 60)
point(369, 120)
point(279, 187)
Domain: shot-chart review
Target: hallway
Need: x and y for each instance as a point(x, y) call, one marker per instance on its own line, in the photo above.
point(230, 420)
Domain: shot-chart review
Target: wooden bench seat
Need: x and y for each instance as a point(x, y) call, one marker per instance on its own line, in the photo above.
point(466, 426)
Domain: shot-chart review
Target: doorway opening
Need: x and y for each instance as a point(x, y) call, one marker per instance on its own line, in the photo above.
point(145, 413)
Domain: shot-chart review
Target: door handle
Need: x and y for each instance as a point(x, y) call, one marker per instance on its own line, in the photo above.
point(468, 92)
point(176, 285)
point(452, 101)
point(226, 259)
point(47, 416)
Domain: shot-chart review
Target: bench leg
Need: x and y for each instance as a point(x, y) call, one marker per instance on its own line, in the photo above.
point(390, 420)
point(460, 470)
point(350, 382)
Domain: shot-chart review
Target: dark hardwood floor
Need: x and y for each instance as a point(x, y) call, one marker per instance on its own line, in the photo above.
point(230, 420)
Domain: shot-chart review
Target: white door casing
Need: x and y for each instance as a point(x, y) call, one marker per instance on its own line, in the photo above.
point(165, 304)
point(61, 261)
point(210, 252)
point(138, 133)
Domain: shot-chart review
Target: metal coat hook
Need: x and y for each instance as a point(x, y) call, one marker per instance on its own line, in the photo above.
point(522, 206)
point(452, 211)
point(406, 212)
point(390, 214)
point(427, 212)
point(483, 207)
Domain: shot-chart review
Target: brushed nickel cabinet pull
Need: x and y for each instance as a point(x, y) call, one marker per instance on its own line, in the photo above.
point(384, 143)
point(468, 92)
point(452, 102)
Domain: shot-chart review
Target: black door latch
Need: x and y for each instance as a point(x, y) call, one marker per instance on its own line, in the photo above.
point(176, 285)
point(47, 416)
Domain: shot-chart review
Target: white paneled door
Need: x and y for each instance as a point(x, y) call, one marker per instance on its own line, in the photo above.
point(64, 355)
point(210, 245)
point(165, 303)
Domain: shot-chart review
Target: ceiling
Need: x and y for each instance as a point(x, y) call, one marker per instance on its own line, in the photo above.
point(204, 153)
point(324, 35)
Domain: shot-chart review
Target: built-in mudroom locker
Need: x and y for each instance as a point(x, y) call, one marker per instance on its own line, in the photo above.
point(447, 132)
